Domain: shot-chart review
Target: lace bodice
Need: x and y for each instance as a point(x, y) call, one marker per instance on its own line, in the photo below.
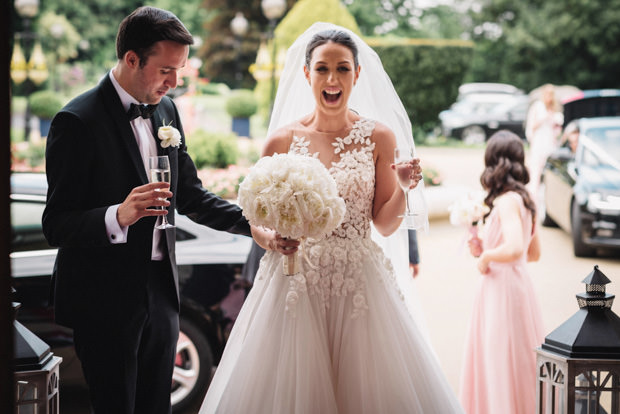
point(334, 266)
point(354, 173)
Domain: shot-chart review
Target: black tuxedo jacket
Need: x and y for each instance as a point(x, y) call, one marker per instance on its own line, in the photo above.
point(93, 162)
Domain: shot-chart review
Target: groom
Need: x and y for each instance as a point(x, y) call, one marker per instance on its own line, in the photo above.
point(115, 279)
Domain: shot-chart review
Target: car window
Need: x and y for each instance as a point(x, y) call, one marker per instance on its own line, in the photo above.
point(608, 139)
point(26, 229)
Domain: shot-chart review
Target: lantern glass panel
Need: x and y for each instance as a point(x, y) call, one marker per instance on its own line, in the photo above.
point(597, 392)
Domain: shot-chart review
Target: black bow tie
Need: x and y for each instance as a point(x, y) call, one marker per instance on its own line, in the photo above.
point(145, 111)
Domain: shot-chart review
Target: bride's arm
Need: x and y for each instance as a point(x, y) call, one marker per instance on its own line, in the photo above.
point(277, 143)
point(389, 201)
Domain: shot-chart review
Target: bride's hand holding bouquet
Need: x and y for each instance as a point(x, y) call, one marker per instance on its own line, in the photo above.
point(293, 195)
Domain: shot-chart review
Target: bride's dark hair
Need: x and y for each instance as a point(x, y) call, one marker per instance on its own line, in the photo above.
point(505, 170)
point(336, 36)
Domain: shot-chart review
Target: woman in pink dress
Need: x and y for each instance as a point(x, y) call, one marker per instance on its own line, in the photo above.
point(499, 371)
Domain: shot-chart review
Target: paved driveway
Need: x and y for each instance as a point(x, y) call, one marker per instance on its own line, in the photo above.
point(448, 273)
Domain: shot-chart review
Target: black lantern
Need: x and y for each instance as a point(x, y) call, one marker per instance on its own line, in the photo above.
point(579, 362)
point(36, 373)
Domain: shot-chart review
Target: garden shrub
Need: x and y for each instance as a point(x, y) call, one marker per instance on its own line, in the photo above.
point(241, 103)
point(426, 73)
point(212, 149)
point(45, 104)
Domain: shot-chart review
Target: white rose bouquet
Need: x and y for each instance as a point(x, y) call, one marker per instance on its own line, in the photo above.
point(469, 211)
point(294, 195)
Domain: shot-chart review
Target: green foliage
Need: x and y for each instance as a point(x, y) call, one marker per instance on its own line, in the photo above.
point(97, 22)
point(45, 104)
point(59, 37)
point(211, 88)
point(426, 73)
point(210, 149)
point(241, 103)
point(531, 42)
point(406, 18)
point(221, 55)
point(307, 12)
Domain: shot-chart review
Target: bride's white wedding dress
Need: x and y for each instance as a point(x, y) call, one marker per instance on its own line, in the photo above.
point(337, 337)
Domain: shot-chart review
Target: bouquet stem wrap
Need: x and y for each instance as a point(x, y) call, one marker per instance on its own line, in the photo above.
point(291, 264)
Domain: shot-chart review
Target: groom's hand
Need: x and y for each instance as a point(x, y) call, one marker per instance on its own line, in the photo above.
point(140, 201)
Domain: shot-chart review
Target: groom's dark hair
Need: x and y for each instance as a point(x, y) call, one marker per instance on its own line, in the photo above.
point(146, 26)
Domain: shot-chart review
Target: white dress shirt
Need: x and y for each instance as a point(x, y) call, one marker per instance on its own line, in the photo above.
point(143, 131)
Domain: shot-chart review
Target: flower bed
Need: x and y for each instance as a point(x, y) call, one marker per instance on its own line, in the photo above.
point(223, 182)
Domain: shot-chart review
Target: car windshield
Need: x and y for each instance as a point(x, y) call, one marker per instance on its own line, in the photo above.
point(479, 104)
point(608, 138)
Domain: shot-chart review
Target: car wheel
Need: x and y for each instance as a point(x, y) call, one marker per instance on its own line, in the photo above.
point(580, 249)
point(474, 135)
point(192, 367)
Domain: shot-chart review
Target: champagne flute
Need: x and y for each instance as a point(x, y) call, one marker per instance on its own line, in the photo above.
point(160, 173)
point(403, 172)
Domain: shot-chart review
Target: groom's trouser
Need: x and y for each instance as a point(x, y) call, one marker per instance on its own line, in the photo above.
point(128, 362)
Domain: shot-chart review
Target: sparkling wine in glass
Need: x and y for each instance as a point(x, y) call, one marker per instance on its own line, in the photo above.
point(160, 173)
point(403, 172)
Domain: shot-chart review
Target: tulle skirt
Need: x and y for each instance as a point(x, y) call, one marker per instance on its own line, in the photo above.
point(499, 372)
point(303, 353)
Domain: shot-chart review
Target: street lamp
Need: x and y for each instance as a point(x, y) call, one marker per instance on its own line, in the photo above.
point(273, 10)
point(33, 71)
point(239, 27)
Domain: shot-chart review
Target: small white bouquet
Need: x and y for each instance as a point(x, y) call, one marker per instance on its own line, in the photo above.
point(294, 195)
point(469, 211)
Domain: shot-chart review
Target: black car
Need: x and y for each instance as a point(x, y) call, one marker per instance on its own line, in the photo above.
point(582, 185)
point(209, 264)
point(477, 116)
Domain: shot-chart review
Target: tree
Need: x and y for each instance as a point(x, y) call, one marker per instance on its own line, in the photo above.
point(97, 22)
point(405, 18)
point(219, 54)
point(532, 42)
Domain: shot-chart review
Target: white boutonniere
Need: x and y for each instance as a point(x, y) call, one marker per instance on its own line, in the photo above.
point(169, 135)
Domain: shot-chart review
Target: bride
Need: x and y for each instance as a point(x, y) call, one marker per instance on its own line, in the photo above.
point(348, 343)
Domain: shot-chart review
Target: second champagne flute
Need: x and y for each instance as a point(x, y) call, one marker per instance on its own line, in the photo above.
point(160, 173)
point(401, 158)
point(411, 220)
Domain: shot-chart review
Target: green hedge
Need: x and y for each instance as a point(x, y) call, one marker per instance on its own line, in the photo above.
point(212, 149)
point(426, 73)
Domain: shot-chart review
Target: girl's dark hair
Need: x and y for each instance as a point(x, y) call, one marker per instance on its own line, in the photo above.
point(505, 170)
point(146, 26)
point(336, 36)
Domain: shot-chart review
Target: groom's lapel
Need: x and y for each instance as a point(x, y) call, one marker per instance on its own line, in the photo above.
point(156, 122)
point(120, 118)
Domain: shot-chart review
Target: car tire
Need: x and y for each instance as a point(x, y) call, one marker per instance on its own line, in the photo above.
point(474, 134)
point(580, 249)
point(193, 367)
